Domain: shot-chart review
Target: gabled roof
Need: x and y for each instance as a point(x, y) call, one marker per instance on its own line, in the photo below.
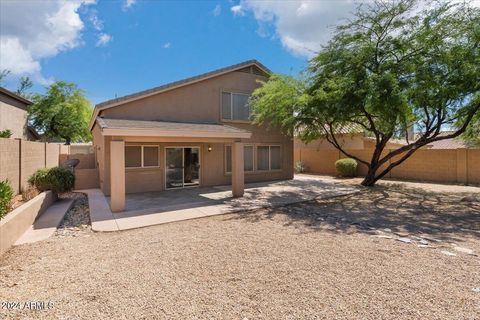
point(15, 96)
point(169, 129)
point(173, 85)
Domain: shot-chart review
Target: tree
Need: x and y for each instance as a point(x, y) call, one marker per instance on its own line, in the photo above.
point(63, 112)
point(392, 66)
point(24, 85)
point(3, 75)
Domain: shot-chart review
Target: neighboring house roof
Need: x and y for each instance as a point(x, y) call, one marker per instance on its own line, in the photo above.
point(15, 96)
point(452, 143)
point(173, 85)
point(350, 128)
point(169, 129)
point(33, 134)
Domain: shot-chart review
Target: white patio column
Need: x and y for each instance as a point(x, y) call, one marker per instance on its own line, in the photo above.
point(117, 175)
point(238, 177)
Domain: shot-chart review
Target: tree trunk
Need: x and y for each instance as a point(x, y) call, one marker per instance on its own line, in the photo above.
point(369, 180)
point(67, 140)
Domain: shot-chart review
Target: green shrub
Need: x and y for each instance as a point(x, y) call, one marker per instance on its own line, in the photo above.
point(346, 167)
point(57, 179)
point(6, 195)
point(7, 133)
point(299, 167)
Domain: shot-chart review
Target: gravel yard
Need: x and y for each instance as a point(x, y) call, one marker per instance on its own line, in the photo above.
point(386, 253)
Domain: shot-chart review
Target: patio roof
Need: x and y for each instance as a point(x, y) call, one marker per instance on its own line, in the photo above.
point(122, 127)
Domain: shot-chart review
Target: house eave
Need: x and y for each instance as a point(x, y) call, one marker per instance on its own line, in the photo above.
point(141, 132)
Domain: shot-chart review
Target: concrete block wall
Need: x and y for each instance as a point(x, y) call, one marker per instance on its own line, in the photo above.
point(19, 159)
point(437, 165)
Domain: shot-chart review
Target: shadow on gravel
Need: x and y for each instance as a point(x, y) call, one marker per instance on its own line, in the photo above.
point(396, 207)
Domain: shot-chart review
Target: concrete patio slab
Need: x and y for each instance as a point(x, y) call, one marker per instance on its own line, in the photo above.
point(100, 214)
point(44, 227)
point(152, 208)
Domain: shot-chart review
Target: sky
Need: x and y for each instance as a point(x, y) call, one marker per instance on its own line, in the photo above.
point(113, 48)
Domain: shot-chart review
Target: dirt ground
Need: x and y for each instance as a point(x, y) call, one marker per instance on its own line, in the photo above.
point(384, 253)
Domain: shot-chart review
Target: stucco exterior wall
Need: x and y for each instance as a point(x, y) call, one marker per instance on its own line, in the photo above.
point(201, 103)
point(13, 116)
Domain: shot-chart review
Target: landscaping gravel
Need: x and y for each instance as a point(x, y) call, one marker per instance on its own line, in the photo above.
point(332, 259)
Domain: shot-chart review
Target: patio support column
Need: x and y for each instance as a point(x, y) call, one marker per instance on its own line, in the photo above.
point(238, 177)
point(117, 175)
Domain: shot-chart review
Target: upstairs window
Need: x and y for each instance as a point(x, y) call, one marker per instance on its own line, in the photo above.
point(235, 106)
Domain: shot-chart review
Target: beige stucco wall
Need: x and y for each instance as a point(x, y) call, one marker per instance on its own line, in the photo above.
point(13, 116)
point(15, 223)
point(198, 102)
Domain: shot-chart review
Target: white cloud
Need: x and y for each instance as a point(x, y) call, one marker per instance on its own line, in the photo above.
point(217, 10)
point(95, 20)
point(238, 10)
point(34, 30)
point(103, 39)
point(301, 26)
point(127, 4)
point(167, 45)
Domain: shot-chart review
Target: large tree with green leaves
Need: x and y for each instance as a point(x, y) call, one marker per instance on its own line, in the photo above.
point(62, 112)
point(393, 65)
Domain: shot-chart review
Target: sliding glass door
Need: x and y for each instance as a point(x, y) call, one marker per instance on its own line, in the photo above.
point(182, 167)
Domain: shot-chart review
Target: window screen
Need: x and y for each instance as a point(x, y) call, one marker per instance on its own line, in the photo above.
point(150, 156)
point(133, 156)
point(241, 110)
point(248, 158)
point(262, 158)
point(228, 159)
point(235, 106)
point(275, 158)
point(226, 106)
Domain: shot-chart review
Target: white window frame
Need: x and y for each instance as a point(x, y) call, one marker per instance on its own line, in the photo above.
point(231, 106)
point(142, 155)
point(269, 157)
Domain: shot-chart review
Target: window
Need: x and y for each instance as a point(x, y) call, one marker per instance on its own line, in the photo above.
point(141, 156)
point(247, 158)
point(268, 158)
point(235, 106)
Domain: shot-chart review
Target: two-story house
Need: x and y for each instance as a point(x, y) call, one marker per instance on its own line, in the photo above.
point(13, 115)
point(193, 132)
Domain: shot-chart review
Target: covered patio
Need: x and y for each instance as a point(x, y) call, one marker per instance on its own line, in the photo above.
point(152, 208)
point(168, 143)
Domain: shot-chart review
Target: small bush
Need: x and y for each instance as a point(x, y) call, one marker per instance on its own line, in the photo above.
point(29, 194)
point(5, 133)
point(6, 195)
point(299, 167)
point(346, 167)
point(56, 179)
